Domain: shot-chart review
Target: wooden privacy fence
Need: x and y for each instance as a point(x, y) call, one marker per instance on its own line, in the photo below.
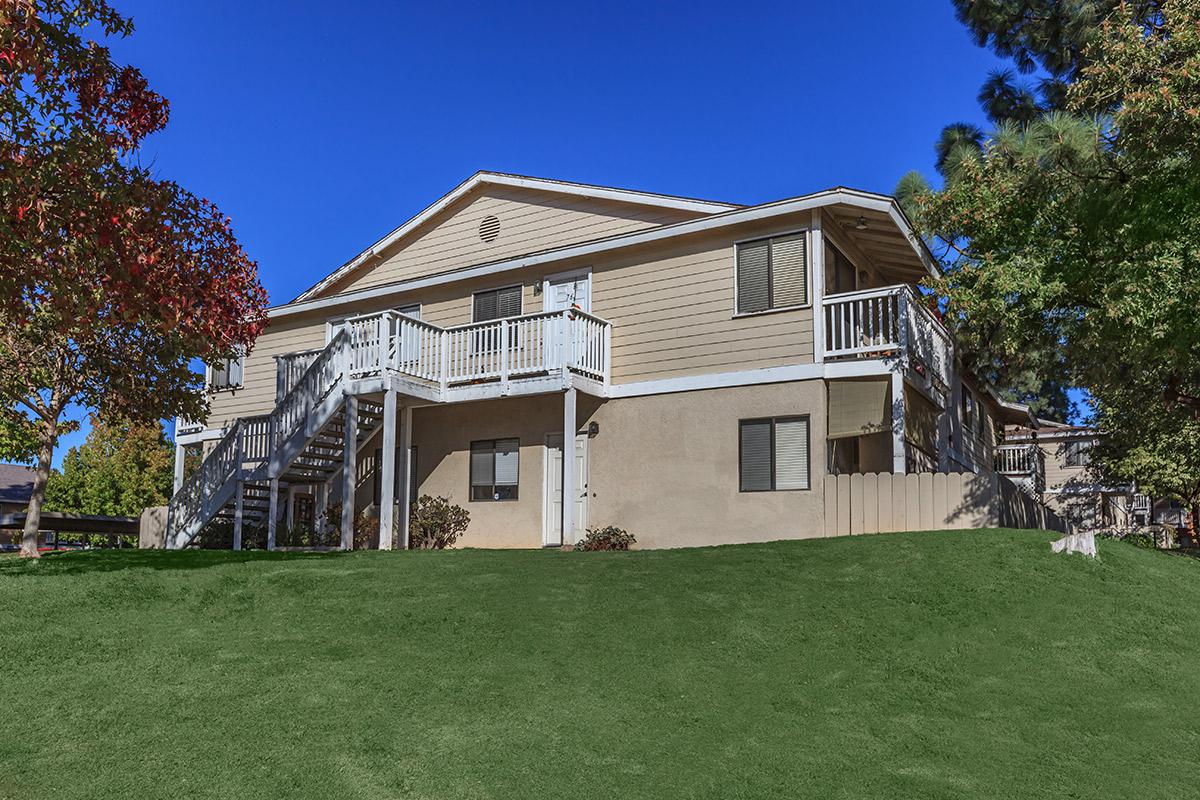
point(930, 501)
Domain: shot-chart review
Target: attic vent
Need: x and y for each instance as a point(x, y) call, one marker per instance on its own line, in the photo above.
point(489, 229)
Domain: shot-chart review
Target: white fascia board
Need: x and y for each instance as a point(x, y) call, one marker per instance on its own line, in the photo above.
point(714, 222)
point(583, 190)
point(754, 377)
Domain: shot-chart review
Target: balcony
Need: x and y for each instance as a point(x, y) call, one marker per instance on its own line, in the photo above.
point(528, 354)
point(888, 322)
point(1024, 464)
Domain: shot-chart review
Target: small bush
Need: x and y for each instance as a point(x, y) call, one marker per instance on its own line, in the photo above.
point(366, 530)
point(609, 537)
point(435, 523)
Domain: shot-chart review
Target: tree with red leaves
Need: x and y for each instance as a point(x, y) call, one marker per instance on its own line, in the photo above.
point(111, 280)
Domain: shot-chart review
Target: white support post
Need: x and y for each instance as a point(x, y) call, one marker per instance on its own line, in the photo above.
point(444, 357)
point(290, 512)
point(816, 242)
point(238, 512)
point(568, 467)
point(504, 357)
point(383, 341)
point(406, 476)
point(899, 462)
point(387, 471)
point(349, 467)
point(565, 350)
point(321, 502)
point(180, 457)
point(607, 355)
point(272, 513)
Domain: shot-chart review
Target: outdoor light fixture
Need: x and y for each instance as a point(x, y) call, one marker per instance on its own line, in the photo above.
point(537, 286)
point(593, 429)
point(861, 224)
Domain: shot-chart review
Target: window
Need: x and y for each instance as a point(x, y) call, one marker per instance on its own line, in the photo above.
point(772, 273)
point(1079, 453)
point(972, 413)
point(494, 469)
point(226, 374)
point(497, 304)
point(773, 454)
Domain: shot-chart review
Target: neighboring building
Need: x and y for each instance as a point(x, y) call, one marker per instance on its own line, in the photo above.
point(711, 363)
point(16, 486)
point(1070, 484)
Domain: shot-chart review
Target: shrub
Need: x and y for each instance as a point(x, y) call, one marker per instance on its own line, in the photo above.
point(435, 523)
point(609, 537)
point(366, 530)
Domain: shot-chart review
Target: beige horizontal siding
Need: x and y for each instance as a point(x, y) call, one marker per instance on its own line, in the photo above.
point(530, 221)
point(1058, 474)
point(672, 309)
point(671, 305)
point(257, 395)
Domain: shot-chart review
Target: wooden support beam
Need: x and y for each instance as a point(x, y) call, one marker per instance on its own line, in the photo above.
point(387, 471)
point(349, 468)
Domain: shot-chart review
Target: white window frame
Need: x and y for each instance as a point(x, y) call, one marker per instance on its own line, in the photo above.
point(208, 378)
point(808, 272)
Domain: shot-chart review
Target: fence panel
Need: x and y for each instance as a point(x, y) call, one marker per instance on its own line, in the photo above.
point(884, 502)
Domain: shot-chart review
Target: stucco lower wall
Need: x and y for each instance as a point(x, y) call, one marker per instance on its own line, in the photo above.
point(665, 467)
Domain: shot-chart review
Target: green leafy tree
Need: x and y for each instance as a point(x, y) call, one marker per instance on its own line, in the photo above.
point(1076, 237)
point(121, 469)
point(111, 280)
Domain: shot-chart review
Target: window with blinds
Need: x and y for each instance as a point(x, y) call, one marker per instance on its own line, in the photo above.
point(773, 454)
point(494, 469)
point(772, 273)
point(497, 304)
point(226, 374)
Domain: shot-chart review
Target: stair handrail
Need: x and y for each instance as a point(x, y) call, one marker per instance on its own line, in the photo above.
point(309, 389)
point(209, 476)
point(218, 468)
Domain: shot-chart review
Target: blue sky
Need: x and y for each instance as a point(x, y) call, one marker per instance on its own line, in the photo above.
point(318, 128)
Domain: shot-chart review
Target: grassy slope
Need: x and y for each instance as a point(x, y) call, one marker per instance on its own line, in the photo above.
point(917, 665)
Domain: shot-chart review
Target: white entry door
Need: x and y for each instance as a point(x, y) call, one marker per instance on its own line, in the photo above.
point(552, 514)
point(563, 291)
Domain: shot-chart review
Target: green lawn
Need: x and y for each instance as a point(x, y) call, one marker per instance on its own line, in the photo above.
point(929, 665)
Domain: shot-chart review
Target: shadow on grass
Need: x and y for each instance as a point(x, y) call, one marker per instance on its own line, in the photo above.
point(80, 562)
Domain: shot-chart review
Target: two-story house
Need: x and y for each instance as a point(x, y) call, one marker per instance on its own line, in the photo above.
point(702, 365)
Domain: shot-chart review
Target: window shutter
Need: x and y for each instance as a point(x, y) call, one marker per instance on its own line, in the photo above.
point(506, 462)
point(753, 277)
point(789, 281)
point(508, 302)
point(482, 464)
point(485, 306)
point(791, 454)
point(756, 456)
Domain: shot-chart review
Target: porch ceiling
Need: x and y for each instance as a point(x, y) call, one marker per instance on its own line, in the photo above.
point(882, 241)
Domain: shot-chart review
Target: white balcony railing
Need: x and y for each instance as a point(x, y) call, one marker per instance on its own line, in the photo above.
point(498, 350)
point(888, 321)
point(1017, 459)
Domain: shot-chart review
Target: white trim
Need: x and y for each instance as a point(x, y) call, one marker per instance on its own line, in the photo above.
point(500, 179)
point(726, 219)
point(585, 272)
point(196, 437)
point(816, 242)
point(832, 370)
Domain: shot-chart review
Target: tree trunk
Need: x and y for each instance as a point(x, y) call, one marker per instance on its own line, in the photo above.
point(33, 514)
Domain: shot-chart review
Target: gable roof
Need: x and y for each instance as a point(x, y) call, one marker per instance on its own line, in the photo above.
point(484, 177)
point(16, 483)
point(884, 205)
